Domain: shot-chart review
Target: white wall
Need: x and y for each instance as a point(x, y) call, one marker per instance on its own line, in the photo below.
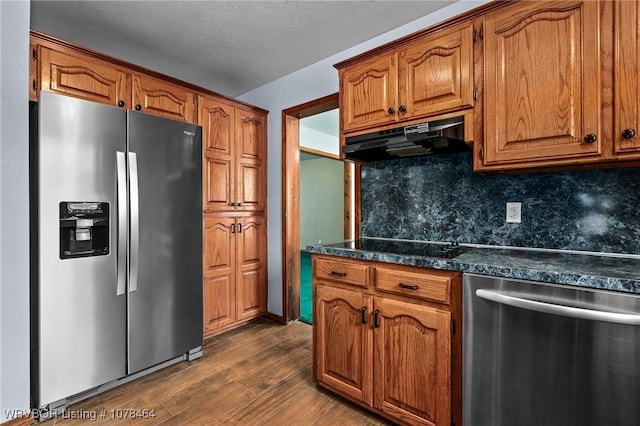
point(310, 83)
point(321, 201)
point(14, 207)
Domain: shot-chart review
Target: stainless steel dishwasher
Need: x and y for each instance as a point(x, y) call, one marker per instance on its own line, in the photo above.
point(542, 354)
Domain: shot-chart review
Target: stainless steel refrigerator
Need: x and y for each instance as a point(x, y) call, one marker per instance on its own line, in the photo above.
point(116, 250)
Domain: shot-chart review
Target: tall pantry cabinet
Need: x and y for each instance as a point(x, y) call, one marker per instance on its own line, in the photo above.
point(234, 196)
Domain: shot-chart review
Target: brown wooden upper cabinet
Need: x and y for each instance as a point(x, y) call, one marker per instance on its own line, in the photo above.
point(81, 77)
point(426, 76)
point(626, 78)
point(234, 141)
point(542, 83)
point(158, 97)
point(73, 73)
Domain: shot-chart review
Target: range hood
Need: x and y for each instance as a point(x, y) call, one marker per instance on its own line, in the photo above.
point(435, 137)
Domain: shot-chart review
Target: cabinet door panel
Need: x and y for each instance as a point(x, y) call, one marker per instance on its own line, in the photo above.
point(251, 161)
point(436, 74)
point(413, 362)
point(627, 77)
point(368, 91)
point(343, 343)
point(251, 239)
point(218, 176)
point(84, 78)
point(249, 190)
point(219, 302)
point(219, 245)
point(219, 273)
point(250, 294)
point(161, 98)
point(250, 135)
point(217, 119)
point(542, 82)
point(251, 282)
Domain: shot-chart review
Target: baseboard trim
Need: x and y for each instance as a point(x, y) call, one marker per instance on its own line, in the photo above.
point(276, 318)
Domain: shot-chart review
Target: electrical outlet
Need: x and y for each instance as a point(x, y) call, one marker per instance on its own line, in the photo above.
point(514, 212)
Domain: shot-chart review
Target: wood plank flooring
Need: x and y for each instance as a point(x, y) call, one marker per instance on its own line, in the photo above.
point(259, 374)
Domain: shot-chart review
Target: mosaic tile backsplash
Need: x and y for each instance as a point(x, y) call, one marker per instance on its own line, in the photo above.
point(439, 198)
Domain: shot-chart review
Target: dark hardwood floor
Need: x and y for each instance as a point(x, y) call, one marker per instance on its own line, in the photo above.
point(259, 374)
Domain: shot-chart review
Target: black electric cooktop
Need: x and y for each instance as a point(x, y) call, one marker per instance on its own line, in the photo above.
point(411, 248)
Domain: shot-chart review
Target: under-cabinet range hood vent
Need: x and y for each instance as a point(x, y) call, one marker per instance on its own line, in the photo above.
point(435, 137)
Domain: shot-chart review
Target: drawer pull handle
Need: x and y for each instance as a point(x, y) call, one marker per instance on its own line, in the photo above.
point(408, 287)
point(338, 274)
point(376, 324)
point(364, 315)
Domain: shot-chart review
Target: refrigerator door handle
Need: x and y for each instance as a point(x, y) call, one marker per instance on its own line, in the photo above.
point(121, 258)
point(134, 208)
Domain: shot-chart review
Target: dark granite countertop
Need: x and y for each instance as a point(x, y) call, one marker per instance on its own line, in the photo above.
point(585, 270)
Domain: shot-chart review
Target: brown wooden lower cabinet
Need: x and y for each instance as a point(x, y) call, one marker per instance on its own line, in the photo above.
point(235, 285)
point(383, 348)
point(343, 345)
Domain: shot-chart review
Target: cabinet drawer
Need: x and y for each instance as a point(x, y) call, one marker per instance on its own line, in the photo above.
point(426, 286)
point(340, 271)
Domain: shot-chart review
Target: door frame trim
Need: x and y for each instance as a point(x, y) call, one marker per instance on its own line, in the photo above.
point(291, 199)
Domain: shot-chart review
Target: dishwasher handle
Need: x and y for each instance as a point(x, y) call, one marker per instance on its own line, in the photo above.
point(565, 311)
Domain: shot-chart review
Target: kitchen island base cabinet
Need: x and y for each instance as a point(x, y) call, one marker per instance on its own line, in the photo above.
point(382, 347)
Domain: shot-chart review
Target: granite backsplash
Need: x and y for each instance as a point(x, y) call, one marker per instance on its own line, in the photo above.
point(439, 198)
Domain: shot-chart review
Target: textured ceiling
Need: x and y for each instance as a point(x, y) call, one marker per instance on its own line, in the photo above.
point(228, 46)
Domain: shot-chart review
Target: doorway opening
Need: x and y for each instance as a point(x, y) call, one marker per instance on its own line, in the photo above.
point(310, 191)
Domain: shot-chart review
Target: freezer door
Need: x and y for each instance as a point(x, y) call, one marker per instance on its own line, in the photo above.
point(79, 320)
point(165, 271)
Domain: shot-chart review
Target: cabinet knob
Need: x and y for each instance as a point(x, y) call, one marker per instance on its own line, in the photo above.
point(402, 108)
point(628, 133)
point(363, 318)
point(240, 204)
point(120, 103)
point(376, 324)
point(138, 107)
point(391, 110)
point(233, 228)
point(590, 138)
point(233, 204)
